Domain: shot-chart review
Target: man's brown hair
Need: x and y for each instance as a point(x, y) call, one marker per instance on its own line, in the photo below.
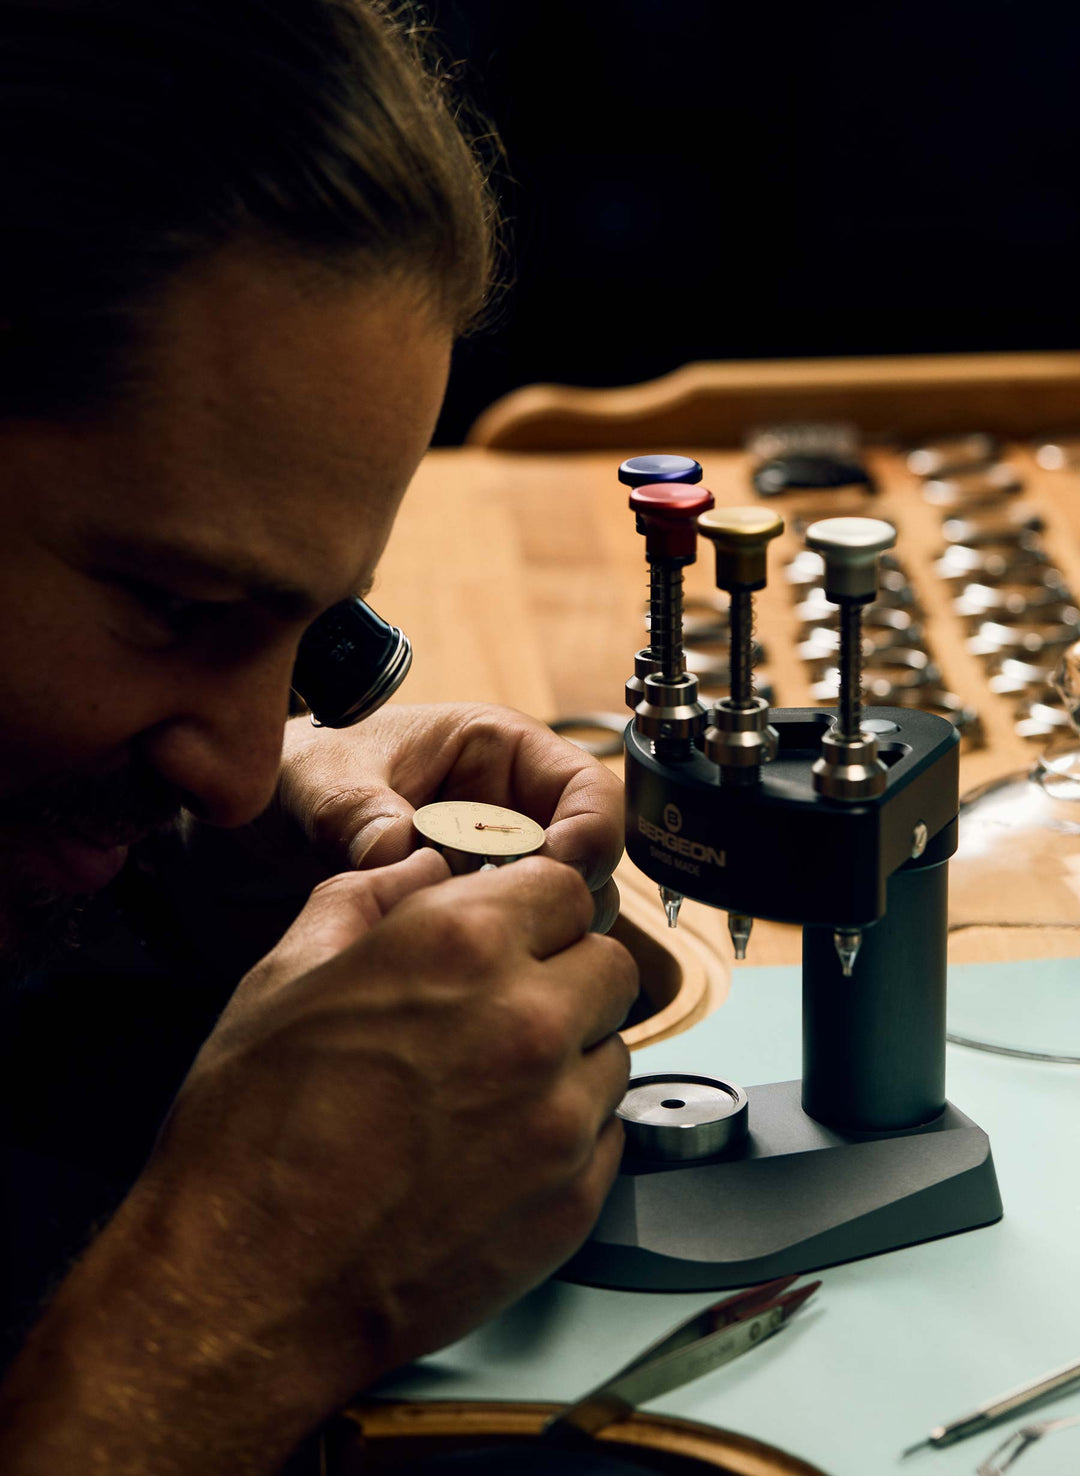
point(137, 136)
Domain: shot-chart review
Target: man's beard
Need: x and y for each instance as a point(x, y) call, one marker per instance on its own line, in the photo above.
point(39, 924)
point(36, 931)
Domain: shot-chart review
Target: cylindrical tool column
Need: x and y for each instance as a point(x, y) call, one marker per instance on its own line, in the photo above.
point(645, 471)
point(874, 1044)
point(669, 713)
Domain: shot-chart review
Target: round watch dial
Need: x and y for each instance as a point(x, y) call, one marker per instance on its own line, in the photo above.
point(482, 830)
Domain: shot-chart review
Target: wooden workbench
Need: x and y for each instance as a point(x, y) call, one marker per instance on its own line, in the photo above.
point(520, 579)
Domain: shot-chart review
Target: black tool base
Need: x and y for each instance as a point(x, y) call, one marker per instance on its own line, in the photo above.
point(800, 1196)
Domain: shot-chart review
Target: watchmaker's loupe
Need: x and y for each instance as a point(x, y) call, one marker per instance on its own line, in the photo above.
point(349, 662)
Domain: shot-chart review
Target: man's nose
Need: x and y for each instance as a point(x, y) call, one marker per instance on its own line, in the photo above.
point(222, 747)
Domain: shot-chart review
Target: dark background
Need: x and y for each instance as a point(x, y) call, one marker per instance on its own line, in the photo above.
point(698, 179)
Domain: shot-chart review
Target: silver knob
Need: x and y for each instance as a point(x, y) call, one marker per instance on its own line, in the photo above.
point(849, 767)
point(850, 548)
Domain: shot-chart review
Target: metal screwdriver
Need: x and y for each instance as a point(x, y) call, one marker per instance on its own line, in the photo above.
point(645, 471)
point(740, 738)
point(849, 769)
point(669, 713)
point(1039, 1390)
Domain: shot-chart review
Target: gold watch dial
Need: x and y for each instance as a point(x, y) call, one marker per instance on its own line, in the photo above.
point(482, 830)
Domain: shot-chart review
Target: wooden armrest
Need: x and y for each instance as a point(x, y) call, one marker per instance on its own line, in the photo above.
point(714, 404)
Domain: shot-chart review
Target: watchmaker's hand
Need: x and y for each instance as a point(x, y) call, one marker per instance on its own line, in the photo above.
point(354, 791)
point(400, 1124)
point(431, 1107)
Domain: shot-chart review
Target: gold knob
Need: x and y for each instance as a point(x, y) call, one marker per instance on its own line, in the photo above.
point(741, 536)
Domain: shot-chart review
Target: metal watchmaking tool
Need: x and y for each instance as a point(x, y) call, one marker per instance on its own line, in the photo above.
point(842, 822)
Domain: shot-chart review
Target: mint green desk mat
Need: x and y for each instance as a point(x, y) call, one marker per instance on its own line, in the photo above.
point(890, 1346)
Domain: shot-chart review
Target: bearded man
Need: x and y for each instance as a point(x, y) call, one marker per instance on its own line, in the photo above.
point(284, 1105)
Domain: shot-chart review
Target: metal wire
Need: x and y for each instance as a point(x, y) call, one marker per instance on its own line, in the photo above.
point(1001, 1050)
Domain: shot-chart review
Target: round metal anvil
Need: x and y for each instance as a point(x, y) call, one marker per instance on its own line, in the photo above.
point(645, 664)
point(675, 1117)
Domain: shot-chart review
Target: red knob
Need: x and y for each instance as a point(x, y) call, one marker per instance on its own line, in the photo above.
point(666, 513)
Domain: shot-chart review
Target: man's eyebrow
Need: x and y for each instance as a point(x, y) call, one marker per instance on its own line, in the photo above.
point(169, 560)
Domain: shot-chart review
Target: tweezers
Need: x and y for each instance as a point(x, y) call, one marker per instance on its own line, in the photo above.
point(698, 1345)
point(1020, 1440)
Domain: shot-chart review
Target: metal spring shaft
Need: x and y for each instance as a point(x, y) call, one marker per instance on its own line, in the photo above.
point(666, 617)
point(742, 649)
point(850, 703)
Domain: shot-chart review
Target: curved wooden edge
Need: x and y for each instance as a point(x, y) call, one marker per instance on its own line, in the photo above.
point(723, 1450)
point(713, 404)
point(704, 974)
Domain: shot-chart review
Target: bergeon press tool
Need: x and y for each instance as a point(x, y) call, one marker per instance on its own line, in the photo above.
point(840, 821)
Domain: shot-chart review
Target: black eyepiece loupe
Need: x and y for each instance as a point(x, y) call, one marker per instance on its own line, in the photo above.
point(349, 662)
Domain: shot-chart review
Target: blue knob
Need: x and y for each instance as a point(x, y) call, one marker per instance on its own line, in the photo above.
point(639, 471)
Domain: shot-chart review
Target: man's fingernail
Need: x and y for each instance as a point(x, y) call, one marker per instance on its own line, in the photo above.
point(361, 845)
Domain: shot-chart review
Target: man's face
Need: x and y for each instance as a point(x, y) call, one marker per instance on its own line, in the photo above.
point(158, 567)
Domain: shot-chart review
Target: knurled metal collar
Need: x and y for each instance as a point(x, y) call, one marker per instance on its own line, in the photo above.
point(670, 709)
point(849, 768)
point(740, 737)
